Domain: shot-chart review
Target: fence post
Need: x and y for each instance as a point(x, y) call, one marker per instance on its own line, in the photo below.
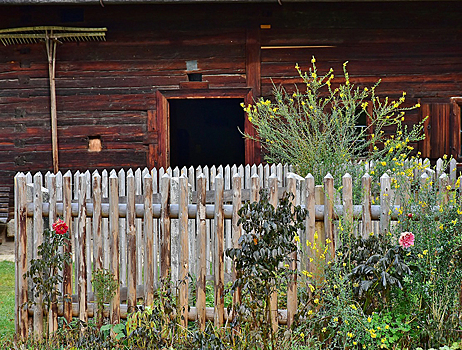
point(97, 220)
point(122, 233)
point(329, 213)
point(184, 250)
point(81, 231)
point(218, 266)
point(385, 184)
point(347, 196)
point(38, 240)
point(165, 244)
point(20, 242)
point(53, 315)
point(148, 242)
point(67, 271)
point(366, 182)
point(114, 243)
point(273, 199)
point(310, 225)
point(131, 243)
point(292, 285)
point(202, 247)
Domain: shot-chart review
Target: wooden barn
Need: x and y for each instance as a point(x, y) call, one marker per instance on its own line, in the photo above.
point(165, 86)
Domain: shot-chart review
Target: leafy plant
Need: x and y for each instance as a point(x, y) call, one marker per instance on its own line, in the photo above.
point(376, 268)
point(263, 259)
point(105, 286)
point(157, 326)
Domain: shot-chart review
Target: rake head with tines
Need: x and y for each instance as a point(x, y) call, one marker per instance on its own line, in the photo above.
point(30, 35)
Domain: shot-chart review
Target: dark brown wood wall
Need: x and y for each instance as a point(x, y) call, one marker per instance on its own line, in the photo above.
point(107, 88)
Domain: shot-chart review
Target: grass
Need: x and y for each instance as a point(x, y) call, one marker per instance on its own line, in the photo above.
point(6, 299)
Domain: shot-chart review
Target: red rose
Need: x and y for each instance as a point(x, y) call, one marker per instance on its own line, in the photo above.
point(409, 215)
point(60, 227)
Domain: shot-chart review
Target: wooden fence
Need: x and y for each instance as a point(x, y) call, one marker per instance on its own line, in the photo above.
point(144, 225)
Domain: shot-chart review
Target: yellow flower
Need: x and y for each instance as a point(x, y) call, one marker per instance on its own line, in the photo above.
point(313, 60)
point(373, 335)
point(310, 312)
point(335, 319)
point(353, 307)
point(350, 335)
point(387, 326)
point(297, 238)
point(302, 335)
point(316, 301)
point(369, 319)
point(328, 241)
point(324, 329)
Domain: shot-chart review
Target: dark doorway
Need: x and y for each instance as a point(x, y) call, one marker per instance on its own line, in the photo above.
point(206, 132)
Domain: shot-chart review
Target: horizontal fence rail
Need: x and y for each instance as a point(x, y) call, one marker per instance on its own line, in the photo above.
point(145, 225)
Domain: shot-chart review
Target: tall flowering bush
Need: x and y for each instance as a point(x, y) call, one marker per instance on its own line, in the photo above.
point(316, 129)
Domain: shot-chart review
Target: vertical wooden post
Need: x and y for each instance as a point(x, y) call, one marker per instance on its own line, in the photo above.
point(236, 230)
point(132, 243)
point(51, 54)
point(292, 286)
point(165, 244)
point(253, 79)
point(38, 240)
point(82, 281)
point(20, 242)
point(122, 233)
point(366, 182)
point(218, 268)
point(53, 315)
point(184, 251)
point(443, 184)
point(105, 221)
point(310, 224)
point(202, 246)
point(114, 243)
point(273, 199)
point(67, 272)
point(149, 243)
point(138, 228)
point(97, 220)
point(347, 196)
point(385, 184)
point(329, 212)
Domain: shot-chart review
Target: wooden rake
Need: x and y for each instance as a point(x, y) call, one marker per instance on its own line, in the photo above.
point(51, 35)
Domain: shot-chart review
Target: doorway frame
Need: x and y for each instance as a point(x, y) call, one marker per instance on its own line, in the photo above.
point(160, 121)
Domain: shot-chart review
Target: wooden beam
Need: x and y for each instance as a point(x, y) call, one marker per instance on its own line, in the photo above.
point(253, 80)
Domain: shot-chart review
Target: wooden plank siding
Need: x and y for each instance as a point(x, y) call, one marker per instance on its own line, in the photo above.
point(108, 89)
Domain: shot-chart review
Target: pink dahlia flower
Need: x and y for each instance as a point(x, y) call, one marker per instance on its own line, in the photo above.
point(60, 227)
point(406, 240)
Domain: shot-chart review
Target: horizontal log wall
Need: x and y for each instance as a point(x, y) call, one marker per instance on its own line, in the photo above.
point(106, 88)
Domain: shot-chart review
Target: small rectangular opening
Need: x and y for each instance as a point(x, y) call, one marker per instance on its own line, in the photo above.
point(94, 144)
point(194, 76)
